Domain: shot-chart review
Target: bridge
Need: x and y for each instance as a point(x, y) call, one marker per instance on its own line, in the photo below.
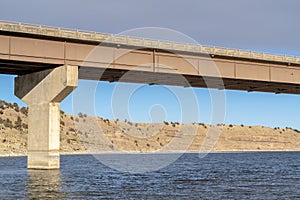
point(48, 62)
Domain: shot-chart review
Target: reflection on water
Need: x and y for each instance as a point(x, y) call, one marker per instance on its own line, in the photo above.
point(44, 184)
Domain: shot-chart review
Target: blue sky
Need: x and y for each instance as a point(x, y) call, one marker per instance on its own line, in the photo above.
point(269, 26)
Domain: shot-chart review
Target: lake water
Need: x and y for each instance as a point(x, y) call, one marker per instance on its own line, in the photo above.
point(217, 176)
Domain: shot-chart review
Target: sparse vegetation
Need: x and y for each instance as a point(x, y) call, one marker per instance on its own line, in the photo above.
point(2, 104)
point(24, 111)
point(62, 123)
point(80, 115)
point(296, 130)
point(8, 123)
point(138, 137)
point(18, 123)
point(15, 107)
point(71, 129)
point(25, 126)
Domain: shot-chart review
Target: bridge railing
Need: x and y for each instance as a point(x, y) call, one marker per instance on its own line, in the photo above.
point(141, 42)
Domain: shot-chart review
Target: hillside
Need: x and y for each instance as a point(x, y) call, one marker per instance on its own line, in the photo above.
point(83, 133)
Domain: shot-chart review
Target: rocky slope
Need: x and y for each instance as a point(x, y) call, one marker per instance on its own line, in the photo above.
point(88, 134)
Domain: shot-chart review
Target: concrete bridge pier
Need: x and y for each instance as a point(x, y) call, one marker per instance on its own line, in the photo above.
point(42, 92)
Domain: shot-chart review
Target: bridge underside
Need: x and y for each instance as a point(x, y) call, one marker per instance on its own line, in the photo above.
point(154, 78)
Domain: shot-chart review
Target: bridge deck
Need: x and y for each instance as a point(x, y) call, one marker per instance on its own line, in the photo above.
point(88, 36)
point(28, 48)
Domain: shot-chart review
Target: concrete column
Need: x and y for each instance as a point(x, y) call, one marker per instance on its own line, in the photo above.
point(42, 92)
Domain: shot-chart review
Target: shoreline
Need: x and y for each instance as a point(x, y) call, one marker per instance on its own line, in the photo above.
point(23, 154)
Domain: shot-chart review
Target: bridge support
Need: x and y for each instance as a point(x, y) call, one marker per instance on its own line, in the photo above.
point(42, 92)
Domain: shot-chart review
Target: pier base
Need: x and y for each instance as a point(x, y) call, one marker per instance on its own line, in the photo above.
point(42, 92)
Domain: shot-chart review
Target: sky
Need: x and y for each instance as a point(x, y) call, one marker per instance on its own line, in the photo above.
point(258, 25)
